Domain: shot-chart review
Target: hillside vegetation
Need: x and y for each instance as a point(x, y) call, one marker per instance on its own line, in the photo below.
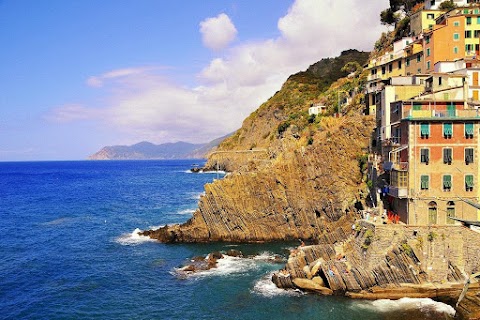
point(288, 107)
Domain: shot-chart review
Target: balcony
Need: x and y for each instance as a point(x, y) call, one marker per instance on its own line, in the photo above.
point(398, 192)
point(400, 166)
point(447, 114)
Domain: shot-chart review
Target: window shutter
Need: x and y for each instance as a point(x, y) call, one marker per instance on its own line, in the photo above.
point(448, 129)
point(447, 181)
point(425, 129)
point(468, 129)
point(424, 155)
point(424, 182)
point(468, 155)
point(469, 181)
point(447, 155)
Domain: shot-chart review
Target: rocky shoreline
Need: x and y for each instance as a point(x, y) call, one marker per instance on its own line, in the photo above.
point(379, 261)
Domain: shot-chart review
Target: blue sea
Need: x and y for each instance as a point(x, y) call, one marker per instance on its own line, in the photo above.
point(69, 250)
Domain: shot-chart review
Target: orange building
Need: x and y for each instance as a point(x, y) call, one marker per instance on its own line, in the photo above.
point(446, 42)
point(435, 167)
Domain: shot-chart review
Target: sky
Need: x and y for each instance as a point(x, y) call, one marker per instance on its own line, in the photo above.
point(76, 76)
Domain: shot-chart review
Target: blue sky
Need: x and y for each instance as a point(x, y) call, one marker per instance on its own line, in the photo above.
point(79, 75)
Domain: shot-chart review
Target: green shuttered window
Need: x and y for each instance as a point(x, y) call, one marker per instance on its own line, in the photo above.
point(448, 130)
point(469, 182)
point(424, 182)
point(424, 130)
point(469, 130)
point(447, 182)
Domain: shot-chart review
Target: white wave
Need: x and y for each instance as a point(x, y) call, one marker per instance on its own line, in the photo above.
point(197, 195)
point(407, 304)
point(133, 239)
point(268, 257)
point(155, 227)
point(186, 211)
point(267, 288)
point(226, 266)
point(214, 172)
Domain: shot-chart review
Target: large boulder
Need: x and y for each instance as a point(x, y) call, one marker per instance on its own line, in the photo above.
point(310, 285)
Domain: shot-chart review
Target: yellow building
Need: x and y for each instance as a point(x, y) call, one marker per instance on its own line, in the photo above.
point(423, 20)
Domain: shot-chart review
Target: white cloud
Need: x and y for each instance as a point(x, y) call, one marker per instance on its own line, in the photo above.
point(146, 105)
point(217, 32)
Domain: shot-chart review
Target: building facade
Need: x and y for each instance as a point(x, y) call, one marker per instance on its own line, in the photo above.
point(435, 165)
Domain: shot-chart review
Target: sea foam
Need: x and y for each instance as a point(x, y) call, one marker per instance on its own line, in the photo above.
point(133, 239)
point(265, 287)
point(186, 211)
point(408, 304)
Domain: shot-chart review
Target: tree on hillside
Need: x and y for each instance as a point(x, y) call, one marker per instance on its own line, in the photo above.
point(447, 5)
point(402, 28)
point(353, 66)
point(388, 17)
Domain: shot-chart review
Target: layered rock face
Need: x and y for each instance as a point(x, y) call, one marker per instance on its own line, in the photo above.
point(380, 261)
point(296, 192)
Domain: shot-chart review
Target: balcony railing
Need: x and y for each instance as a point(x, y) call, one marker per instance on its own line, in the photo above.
point(419, 114)
point(398, 192)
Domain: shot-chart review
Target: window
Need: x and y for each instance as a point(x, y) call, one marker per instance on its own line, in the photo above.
point(456, 24)
point(399, 64)
point(427, 40)
point(451, 109)
point(447, 182)
point(424, 182)
point(469, 20)
point(448, 130)
point(432, 2)
point(468, 33)
point(424, 156)
point(428, 52)
point(469, 182)
point(424, 130)
point(468, 155)
point(428, 65)
point(419, 58)
point(456, 36)
point(447, 155)
point(455, 50)
point(476, 33)
point(439, 81)
point(430, 16)
point(450, 212)
point(478, 19)
point(407, 62)
point(432, 212)
point(468, 47)
point(469, 130)
point(390, 67)
point(383, 69)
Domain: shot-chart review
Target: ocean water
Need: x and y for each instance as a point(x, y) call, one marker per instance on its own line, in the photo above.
point(69, 250)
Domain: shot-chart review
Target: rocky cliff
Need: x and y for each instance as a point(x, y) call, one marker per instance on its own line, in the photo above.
point(291, 175)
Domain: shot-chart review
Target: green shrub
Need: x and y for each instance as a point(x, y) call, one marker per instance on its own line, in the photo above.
point(283, 126)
